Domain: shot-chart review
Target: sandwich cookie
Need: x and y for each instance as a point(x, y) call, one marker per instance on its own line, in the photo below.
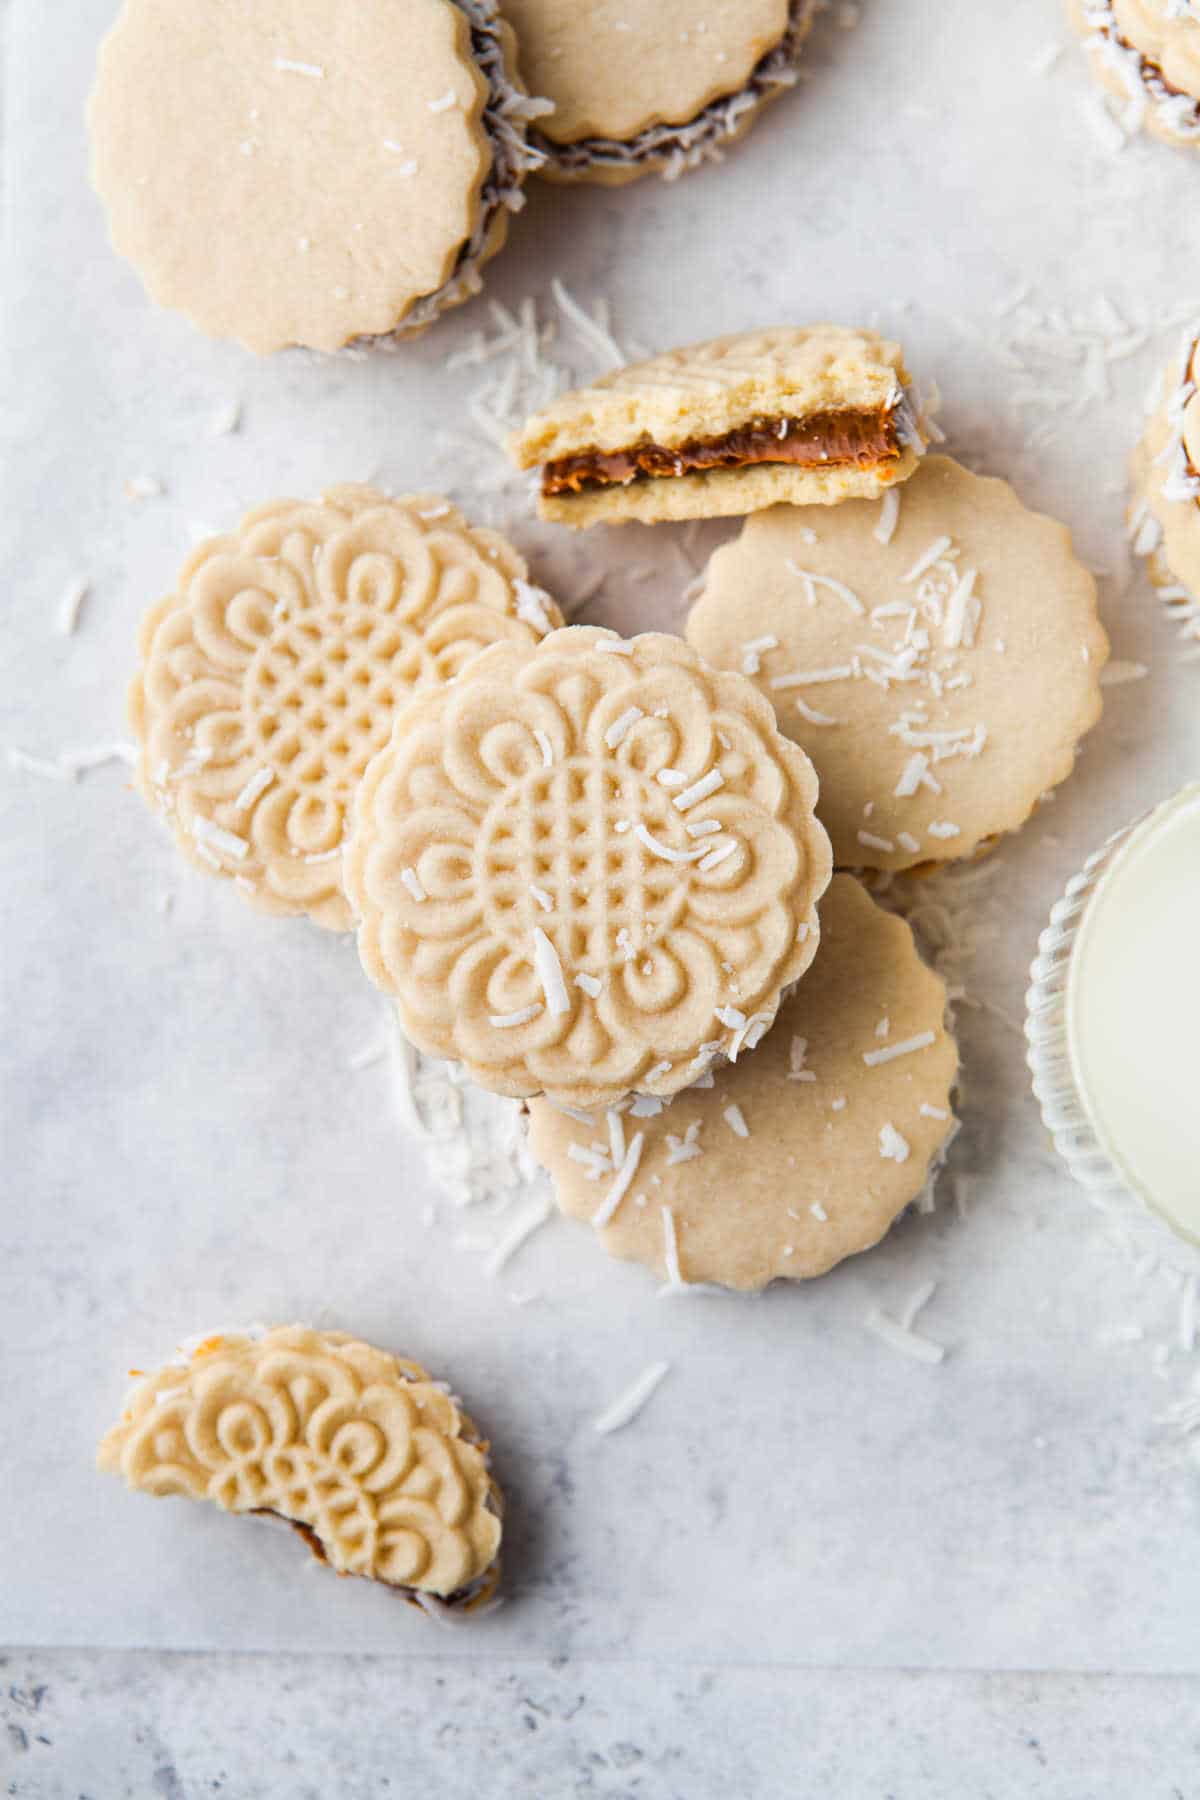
point(272, 674)
point(652, 90)
point(1147, 54)
point(808, 415)
point(587, 868)
point(1164, 519)
point(372, 1461)
point(938, 656)
point(291, 173)
point(798, 1156)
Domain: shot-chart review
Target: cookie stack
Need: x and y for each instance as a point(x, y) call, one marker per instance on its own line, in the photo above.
point(297, 174)
point(595, 871)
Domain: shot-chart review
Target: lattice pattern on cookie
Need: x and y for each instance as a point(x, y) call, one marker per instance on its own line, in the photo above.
point(274, 673)
point(362, 1451)
point(582, 868)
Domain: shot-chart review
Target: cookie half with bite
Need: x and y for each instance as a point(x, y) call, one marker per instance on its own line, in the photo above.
point(795, 1157)
point(1164, 517)
point(640, 90)
point(1146, 54)
point(809, 415)
point(937, 654)
point(587, 868)
point(373, 1462)
point(291, 174)
point(273, 672)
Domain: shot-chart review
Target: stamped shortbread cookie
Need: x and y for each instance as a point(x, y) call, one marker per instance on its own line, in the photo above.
point(797, 1156)
point(809, 415)
point(1146, 53)
point(272, 674)
point(652, 89)
point(938, 655)
point(1164, 521)
point(587, 868)
point(294, 173)
point(372, 1461)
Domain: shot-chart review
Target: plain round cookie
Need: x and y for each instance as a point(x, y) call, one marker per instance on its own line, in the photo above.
point(1146, 53)
point(796, 1156)
point(587, 868)
point(1164, 518)
point(374, 1463)
point(273, 672)
point(641, 90)
point(295, 173)
point(812, 415)
point(939, 660)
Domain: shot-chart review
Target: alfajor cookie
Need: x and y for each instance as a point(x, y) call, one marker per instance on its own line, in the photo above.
point(587, 868)
point(373, 1462)
point(661, 89)
point(809, 415)
point(271, 675)
point(938, 656)
point(1146, 53)
point(1164, 519)
point(797, 1156)
point(291, 173)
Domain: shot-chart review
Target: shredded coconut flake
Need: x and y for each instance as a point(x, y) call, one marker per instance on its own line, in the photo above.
point(810, 677)
point(620, 1187)
point(549, 973)
point(736, 1121)
point(621, 727)
point(699, 790)
point(217, 840)
point(510, 1021)
point(257, 785)
point(70, 606)
point(412, 882)
point(893, 1147)
point(889, 514)
point(629, 1404)
point(517, 1238)
point(922, 1041)
point(909, 1343)
point(533, 606)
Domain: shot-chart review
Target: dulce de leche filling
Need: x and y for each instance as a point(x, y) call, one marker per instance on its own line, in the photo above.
point(825, 440)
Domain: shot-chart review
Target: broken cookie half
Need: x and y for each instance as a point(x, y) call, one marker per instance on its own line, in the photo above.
point(807, 415)
point(371, 1461)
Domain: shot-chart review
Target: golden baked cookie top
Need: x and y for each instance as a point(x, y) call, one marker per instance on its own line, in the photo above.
point(291, 173)
point(613, 69)
point(374, 1461)
point(587, 868)
point(273, 673)
point(938, 654)
point(800, 1154)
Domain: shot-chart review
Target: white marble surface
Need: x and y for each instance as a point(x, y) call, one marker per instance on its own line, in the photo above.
point(131, 1726)
point(187, 1145)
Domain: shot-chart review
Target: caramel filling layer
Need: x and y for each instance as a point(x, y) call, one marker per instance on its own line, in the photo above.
point(824, 440)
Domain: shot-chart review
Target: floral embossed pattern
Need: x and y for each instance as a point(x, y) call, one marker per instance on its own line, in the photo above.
point(273, 674)
point(369, 1457)
point(588, 868)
